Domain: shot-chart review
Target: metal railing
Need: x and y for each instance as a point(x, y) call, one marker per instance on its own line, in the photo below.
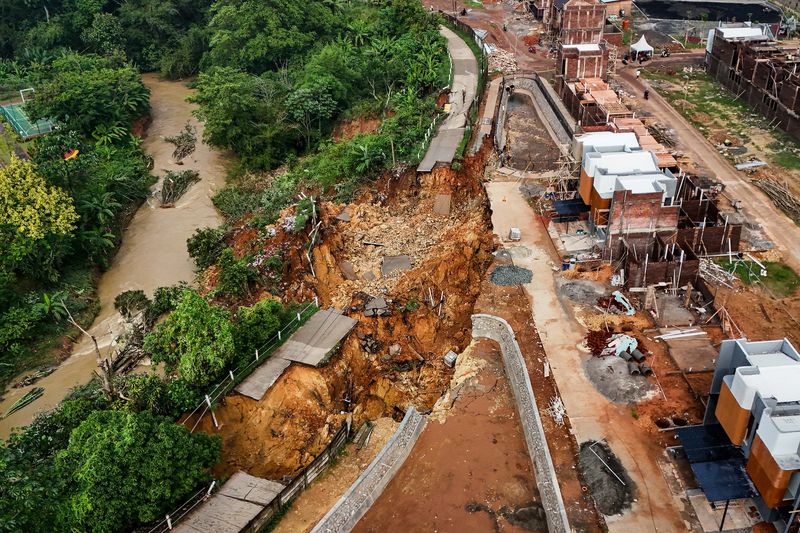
point(235, 376)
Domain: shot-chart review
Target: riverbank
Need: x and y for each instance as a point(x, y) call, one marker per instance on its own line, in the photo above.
point(153, 251)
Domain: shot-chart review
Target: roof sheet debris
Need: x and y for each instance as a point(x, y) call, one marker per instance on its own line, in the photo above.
point(395, 263)
point(750, 164)
point(317, 337)
point(377, 307)
point(344, 216)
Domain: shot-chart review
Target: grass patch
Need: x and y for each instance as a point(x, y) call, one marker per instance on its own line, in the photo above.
point(781, 280)
point(706, 98)
point(686, 43)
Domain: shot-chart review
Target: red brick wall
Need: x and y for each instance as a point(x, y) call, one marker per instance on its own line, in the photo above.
point(582, 22)
point(640, 212)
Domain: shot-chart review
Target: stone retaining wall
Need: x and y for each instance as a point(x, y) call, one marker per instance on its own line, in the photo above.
point(499, 330)
point(355, 503)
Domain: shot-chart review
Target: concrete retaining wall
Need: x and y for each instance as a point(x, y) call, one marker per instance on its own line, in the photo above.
point(499, 330)
point(355, 503)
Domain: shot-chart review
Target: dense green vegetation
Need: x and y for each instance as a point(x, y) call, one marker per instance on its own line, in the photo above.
point(273, 79)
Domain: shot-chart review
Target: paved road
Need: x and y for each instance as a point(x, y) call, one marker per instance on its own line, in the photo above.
point(779, 228)
point(462, 92)
point(592, 416)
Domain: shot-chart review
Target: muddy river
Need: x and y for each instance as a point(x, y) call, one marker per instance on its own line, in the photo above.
point(153, 251)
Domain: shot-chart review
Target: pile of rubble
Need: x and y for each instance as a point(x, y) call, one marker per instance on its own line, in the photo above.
point(503, 61)
point(603, 344)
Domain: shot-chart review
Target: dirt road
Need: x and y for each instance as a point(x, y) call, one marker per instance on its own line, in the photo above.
point(593, 417)
point(779, 228)
point(469, 467)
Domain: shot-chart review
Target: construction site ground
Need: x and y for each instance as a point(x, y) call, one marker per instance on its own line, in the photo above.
point(629, 430)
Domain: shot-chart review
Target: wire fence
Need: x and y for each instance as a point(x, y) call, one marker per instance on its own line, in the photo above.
point(235, 376)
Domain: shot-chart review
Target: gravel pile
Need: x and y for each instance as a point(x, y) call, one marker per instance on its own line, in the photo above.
point(511, 275)
point(611, 496)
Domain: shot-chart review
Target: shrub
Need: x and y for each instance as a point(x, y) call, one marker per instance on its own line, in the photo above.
point(205, 247)
point(234, 274)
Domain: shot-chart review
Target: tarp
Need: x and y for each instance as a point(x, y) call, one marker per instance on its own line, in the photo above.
point(641, 46)
point(718, 465)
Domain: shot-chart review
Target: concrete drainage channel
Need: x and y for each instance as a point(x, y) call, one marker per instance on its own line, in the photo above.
point(355, 503)
point(497, 329)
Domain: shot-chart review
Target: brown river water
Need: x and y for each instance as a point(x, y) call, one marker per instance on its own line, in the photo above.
point(153, 251)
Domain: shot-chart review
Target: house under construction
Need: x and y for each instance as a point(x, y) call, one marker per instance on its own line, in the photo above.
point(748, 446)
point(758, 70)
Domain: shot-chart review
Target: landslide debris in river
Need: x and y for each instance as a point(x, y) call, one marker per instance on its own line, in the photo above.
point(393, 358)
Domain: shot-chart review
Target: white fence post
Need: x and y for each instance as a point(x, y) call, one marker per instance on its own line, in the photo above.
point(213, 417)
point(230, 372)
point(256, 354)
point(169, 523)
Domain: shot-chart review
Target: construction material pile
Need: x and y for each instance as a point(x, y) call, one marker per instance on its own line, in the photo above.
point(502, 61)
point(505, 275)
point(781, 196)
point(711, 271)
point(604, 344)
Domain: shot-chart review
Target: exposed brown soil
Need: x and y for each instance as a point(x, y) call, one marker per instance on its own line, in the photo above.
point(351, 128)
point(292, 424)
point(469, 466)
point(326, 490)
point(779, 318)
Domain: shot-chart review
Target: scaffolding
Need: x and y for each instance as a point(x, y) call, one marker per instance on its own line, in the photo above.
point(613, 53)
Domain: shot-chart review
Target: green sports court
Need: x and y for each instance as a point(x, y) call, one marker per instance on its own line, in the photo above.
point(15, 115)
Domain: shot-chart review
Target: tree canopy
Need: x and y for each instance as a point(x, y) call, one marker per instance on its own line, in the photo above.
point(30, 210)
point(196, 339)
point(122, 469)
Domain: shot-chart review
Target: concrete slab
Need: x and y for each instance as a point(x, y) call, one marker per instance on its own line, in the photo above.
point(316, 338)
point(243, 486)
point(691, 353)
point(395, 263)
point(220, 514)
point(259, 382)
point(671, 311)
point(441, 204)
point(710, 518)
point(348, 270)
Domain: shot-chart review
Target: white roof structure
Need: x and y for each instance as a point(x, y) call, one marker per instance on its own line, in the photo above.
point(617, 163)
point(641, 45)
point(746, 33)
point(604, 141)
point(584, 47)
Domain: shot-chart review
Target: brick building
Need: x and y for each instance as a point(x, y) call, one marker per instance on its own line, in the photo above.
point(765, 75)
point(578, 21)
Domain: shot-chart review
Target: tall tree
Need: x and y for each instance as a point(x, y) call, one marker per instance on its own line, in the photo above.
point(196, 339)
point(124, 469)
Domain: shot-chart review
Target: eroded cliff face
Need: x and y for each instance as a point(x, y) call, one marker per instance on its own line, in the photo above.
point(390, 361)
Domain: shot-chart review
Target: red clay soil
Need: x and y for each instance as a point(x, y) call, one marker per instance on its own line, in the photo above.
point(512, 304)
point(476, 456)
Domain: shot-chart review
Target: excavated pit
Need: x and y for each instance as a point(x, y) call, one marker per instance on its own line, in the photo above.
point(391, 360)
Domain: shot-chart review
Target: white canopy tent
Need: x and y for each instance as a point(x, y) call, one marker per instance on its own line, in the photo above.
point(641, 46)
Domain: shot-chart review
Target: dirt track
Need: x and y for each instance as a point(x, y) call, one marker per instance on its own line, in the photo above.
point(475, 454)
point(780, 229)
